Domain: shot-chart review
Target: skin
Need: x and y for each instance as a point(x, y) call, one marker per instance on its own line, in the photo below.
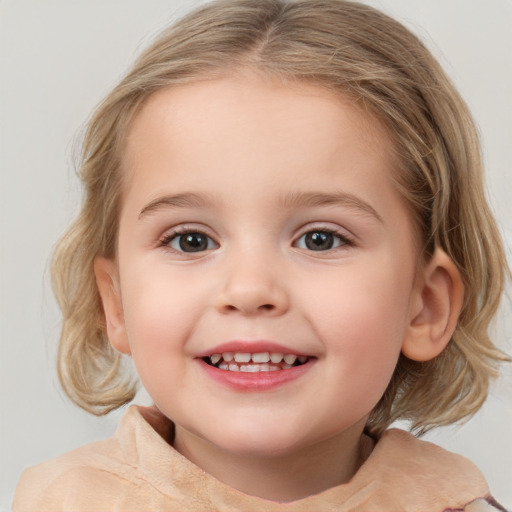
point(255, 150)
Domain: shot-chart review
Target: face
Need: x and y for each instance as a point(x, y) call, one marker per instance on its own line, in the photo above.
point(265, 263)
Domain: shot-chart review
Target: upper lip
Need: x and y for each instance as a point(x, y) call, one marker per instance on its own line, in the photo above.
point(251, 347)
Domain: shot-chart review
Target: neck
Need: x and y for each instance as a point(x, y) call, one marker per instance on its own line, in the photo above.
point(286, 477)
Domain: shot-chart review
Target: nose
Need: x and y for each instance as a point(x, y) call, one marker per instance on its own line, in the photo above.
point(252, 286)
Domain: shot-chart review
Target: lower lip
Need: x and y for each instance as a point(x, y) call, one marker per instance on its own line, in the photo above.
point(257, 381)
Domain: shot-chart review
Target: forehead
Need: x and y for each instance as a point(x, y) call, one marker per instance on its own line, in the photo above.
point(203, 112)
point(254, 137)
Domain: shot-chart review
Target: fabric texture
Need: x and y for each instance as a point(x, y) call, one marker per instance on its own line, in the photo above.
point(138, 470)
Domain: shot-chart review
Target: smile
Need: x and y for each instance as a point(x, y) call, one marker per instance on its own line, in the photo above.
point(254, 362)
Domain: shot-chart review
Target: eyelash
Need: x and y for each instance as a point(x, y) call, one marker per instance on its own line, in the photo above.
point(345, 241)
point(181, 232)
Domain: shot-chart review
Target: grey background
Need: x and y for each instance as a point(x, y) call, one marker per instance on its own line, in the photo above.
point(57, 60)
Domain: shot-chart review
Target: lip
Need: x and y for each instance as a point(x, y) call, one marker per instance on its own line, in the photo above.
point(251, 347)
point(257, 381)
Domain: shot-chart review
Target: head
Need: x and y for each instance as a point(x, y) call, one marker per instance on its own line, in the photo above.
point(349, 51)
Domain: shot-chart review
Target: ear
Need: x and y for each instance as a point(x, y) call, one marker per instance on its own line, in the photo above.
point(107, 280)
point(435, 307)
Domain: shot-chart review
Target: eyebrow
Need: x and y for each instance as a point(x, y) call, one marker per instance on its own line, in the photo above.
point(315, 199)
point(183, 200)
point(287, 202)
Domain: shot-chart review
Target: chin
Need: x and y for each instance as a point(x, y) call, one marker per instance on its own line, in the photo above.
point(260, 441)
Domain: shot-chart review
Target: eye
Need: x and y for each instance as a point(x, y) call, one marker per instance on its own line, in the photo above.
point(321, 240)
point(191, 241)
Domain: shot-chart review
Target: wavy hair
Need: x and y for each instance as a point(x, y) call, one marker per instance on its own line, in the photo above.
point(348, 48)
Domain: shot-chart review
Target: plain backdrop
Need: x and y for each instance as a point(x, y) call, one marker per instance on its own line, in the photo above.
point(58, 58)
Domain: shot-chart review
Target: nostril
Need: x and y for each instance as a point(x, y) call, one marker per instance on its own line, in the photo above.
point(263, 307)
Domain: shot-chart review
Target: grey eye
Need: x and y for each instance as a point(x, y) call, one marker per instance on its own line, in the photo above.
point(320, 240)
point(192, 242)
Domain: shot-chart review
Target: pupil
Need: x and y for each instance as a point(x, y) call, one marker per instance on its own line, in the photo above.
point(319, 241)
point(193, 242)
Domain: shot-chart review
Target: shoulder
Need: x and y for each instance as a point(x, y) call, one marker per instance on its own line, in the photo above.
point(93, 469)
point(87, 475)
point(409, 452)
point(424, 476)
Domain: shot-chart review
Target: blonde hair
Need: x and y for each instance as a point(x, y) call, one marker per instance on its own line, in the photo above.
point(348, 48)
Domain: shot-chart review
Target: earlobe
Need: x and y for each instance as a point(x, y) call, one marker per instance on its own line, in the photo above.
point(107, 280)
point(435, 308)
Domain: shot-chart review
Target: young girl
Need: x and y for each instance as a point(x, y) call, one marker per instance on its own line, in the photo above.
point(285, 228)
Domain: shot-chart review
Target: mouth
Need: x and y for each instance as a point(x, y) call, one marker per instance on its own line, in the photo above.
point(254, 362)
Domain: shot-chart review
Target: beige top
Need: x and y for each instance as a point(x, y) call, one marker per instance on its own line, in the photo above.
point(138, 470)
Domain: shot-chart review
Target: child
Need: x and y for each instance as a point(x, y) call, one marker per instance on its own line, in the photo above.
point(285, 227)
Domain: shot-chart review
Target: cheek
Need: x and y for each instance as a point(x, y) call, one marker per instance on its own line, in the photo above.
point(158, 318)
point(363, 320)
point(159, 310)
point(363, 343)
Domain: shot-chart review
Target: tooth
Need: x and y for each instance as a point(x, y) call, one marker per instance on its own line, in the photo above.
point(227, 356)
point(264, 368)
point(302, 359)
point(263, 357)
point(275, 357)
point(273, 368)
point(234, 367)
point(242, 357)
point(215, 358)
point(224, 366)
point(290, 358)
point(243, 368)
point(252, 368)
point(286, 366)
